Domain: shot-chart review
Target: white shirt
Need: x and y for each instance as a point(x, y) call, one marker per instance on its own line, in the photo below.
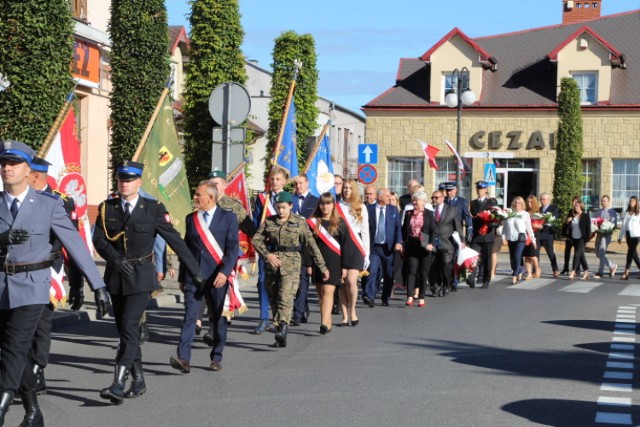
point(20, 197)
point(210, 213)
point(521, 223)
point(132, 203)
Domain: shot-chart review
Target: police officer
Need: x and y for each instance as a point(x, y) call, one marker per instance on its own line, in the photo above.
point(482, 237)
point(28, 219)
point(464, 217)
point(279, 240)
point(42, 339)
point(124, 236)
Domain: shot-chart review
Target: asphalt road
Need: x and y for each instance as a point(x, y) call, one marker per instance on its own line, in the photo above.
point(534, 354)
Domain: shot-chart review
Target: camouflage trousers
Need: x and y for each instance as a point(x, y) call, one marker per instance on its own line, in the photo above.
point(281, 290)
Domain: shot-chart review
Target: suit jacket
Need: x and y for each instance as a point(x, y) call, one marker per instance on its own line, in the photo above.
point(428, 229)
point(449, 222)
point(41, 214)
point(475, 207)
point(224, 227)
point(308, 205)
point(463, 213)
point(585, 227)
point(393, 233)
point(546, 233)
point(148, 218)
point(609, 214)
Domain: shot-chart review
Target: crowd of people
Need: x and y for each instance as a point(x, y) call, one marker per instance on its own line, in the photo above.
point(351, 246)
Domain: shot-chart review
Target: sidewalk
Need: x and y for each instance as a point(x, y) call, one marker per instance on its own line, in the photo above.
point(171, 294)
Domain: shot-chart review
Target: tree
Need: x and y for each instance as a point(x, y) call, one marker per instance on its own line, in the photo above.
point(568, 180)
point(215, 58)
point(290, 46)
point(140, 69)
point(36, 47)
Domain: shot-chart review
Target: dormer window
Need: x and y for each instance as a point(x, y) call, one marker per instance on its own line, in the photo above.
point(588, 86)
point(451, 83)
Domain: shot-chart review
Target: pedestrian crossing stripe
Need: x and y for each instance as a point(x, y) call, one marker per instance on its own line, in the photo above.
point(579, 287)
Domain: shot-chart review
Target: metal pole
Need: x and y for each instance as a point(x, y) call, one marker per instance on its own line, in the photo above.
point(459, 132)
point(227, 130)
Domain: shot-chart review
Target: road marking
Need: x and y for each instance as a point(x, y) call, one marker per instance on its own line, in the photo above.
point(625, 326)
point(530, 285)
point(620, 355)
point(622, 332)
point(623, 388)
point(622, 347)
point(619, 365)
point(616, 401)
point(631, 290)
point(615, 375)
point(613, 418)
point(580, 287)
point(623, 339)
point(626, 320)
point(626, 316)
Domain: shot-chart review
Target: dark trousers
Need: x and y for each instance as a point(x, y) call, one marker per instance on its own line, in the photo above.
point(39, 352)
point(578, 254)
point(515, 257)
point(483, 270)
point(417, 267)
point(263, 298)
point(301, 303)
point(547, 244)
point(441, 274)
point(128, 311)
point(193, 300)
point(380, 267)
point(74, 275)
point(632, 251)
point(568, 244)
point(17, 327)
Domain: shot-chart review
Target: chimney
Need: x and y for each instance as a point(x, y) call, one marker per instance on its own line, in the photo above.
point(580, 10)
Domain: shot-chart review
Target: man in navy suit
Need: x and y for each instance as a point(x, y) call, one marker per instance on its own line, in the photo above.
point(546, 235)
point(304, 203)
point(464, 216)
point(386, 237)
point(212, 236)
point(447, 222)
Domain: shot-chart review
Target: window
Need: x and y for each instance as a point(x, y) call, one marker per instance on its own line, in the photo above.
point(591, 190)
point(626, 182)
point(401, 170)
point(587, 84)
point(451, 83)
point(78, 9)
point(447, 172)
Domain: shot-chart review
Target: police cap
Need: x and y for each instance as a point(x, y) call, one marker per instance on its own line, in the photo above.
point(40, 165)
point(449, 185)
point(130, 171)
point(16, 151)
point(284, 197)
point(482, 184)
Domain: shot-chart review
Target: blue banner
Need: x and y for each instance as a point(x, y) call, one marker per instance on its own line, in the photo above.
point(287, 157)
point(320, 171)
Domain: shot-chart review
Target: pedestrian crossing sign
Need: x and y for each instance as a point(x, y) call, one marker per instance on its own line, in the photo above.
point(490, 173)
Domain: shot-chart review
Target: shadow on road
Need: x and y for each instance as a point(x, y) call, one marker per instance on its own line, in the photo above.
point(555, 412)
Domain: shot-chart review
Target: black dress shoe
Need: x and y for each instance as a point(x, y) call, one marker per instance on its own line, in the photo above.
point(355, 322)
point(198, 329)
point(294, 322)
point(180, 364)
point(367, 300)
point(324, 329)
point(485, 285)
point(385, 303)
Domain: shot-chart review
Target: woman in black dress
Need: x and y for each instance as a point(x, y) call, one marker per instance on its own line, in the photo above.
point(331, 234)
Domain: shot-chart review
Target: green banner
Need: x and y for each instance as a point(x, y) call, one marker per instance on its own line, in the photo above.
point(165, 177)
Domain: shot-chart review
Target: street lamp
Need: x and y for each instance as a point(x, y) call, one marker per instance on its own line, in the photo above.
point(459, 85)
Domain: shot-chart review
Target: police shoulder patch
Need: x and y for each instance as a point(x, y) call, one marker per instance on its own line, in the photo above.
point(60, 194)
point(44, 193)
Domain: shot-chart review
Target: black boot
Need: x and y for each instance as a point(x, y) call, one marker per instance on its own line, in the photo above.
point(138, 386)
point(5, 401)
point(33, 416)
point(115, 392)
point(208, 337)
point(143, 329)
point(281, 335)
point(41, 385)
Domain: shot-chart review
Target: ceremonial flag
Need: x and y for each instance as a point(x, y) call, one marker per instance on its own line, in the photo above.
point(237, 189)
point(65, 176)
point(430, 151)
point(165, 176)
point(286, 156)
point(320, 171)
point(461, 164)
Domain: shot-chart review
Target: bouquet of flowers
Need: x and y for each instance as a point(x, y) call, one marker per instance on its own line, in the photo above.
point(498, 214)
point(466, 263)
point(602, 226)
point(486, 218)
point(537, 219)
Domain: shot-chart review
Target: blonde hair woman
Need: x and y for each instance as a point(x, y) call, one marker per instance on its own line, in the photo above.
point(517, 227)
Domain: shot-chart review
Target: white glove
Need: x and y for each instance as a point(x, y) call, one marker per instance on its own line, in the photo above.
point(366, 263)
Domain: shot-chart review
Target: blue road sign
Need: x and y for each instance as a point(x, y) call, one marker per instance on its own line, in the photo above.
point(367, 154)
point(490, 173)
point(367, 174)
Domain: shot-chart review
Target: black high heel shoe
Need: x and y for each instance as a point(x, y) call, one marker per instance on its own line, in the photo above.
point(355, 322)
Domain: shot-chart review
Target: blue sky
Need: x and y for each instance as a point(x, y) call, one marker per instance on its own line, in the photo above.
point(359, 42)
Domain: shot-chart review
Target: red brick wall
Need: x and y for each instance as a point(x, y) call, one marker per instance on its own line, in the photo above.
point(582, 11)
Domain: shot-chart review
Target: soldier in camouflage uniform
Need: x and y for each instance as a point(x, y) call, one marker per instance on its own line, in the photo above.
point(279, 240)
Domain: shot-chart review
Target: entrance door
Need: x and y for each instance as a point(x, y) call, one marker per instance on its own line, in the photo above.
point(516, 178)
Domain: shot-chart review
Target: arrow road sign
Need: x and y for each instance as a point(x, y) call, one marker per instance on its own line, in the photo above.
point(367, 154)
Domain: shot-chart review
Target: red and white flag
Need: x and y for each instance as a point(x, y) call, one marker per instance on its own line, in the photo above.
point(430, 151)
point(461, 164)
point(65, 176)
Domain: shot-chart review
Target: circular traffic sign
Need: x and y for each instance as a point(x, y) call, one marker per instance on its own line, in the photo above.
point(367, 174)
point(229, 103)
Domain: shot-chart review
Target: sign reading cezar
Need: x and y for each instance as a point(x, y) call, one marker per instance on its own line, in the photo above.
point(86, 62)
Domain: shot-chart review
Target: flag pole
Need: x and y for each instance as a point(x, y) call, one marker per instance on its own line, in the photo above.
point(316, 147)
point(147, 131)
point(274, 160)
point(57, 124)
point(236, 171)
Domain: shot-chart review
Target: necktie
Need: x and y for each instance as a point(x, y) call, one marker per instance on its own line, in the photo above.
point(14, 208)
point(300, 201)
point(205, 216)
point(381, 227)
point(127, 206)
point(438, 209)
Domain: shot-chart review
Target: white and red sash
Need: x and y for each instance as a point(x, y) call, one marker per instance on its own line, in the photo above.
point(233, 300)
point(57, 293)
point(266, 204)
point(354, 236)
point(324, 235)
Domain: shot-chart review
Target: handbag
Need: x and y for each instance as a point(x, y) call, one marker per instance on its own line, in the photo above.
point(522, 237)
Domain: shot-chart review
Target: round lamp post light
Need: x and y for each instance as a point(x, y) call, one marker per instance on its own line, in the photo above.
point(459, 85)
